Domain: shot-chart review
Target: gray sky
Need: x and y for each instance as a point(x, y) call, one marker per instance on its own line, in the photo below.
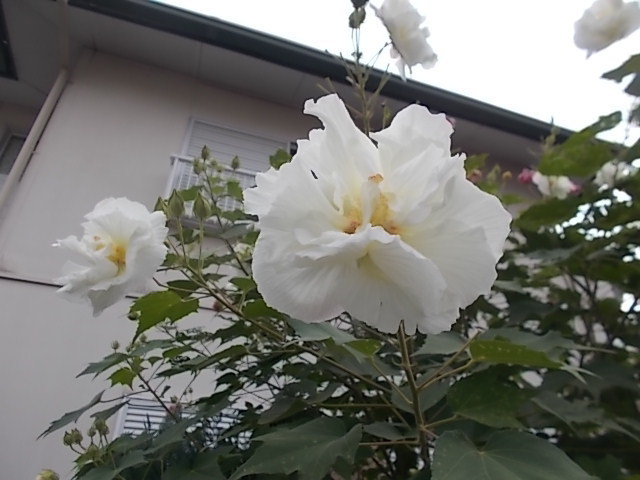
point(518, 55)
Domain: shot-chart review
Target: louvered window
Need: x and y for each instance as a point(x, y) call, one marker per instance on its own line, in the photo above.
point(142, 414)
point(253, 151)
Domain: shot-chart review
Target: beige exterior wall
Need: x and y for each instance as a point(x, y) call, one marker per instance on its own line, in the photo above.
point(111, 134)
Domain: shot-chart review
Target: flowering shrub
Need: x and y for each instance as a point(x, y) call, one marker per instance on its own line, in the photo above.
point(325, 283)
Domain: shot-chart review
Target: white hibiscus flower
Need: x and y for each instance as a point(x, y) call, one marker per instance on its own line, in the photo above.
point(554, 186)
point(122, 247)
point(612, 172)
point(408, 38)
point(387, 233)
point(604, 23)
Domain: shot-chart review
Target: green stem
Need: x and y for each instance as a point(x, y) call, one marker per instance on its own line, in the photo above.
point(417, 409)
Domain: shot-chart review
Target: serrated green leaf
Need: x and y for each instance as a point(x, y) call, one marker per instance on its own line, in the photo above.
point(506, 456)
point(485, 399)
point(427, 397)
point(503, 352)
point(630, 66)
point(122, 376)
point(156, 307)
point(108, 412)
point(69, 417)
point(107, 362)
point(309, 449)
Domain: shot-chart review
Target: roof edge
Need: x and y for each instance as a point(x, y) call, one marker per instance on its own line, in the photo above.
point(282, 52)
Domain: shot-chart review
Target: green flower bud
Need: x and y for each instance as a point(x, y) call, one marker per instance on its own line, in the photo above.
point(235, 163)
point(92, 431)
point(76, 436)
point(101, 426)
point(67, 439)
point(115, 345)
point(47, 474)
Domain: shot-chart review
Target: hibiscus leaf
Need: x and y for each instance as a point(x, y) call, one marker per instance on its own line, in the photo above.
point(310, 332)
point(581, 154)
point(204, 467)
point(441, 344)
point(156, 307)
point(504, 352)
point(487, 400)
point(310, 449)
point(69, 417)
point(630, 66)
point(122, 376)
point(107, 362)
point(507, 455)
point(549, 212)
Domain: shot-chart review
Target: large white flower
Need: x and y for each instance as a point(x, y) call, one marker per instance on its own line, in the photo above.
point(122, 247)
point(612, 172)
point(408, 38)
point(386, 233)
point(554, 186)
point(604, 23)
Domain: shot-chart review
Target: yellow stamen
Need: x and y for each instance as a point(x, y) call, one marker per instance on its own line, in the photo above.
point(118, 256)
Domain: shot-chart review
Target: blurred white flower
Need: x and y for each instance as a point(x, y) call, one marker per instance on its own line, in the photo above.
point(612, 172)
point(386, 233)
point(122, 247)
point(554, 186)
point(604, 23)
point(408, 38)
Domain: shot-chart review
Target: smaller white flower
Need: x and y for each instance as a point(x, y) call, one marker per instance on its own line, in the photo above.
point(408, 38)
point(554, 186)
point(122, 247)
point(612, 172)
point(604, 23)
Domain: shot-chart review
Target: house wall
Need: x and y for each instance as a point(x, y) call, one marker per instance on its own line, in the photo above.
point(111, 134)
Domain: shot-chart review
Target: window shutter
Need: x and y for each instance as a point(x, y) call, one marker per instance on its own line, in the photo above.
point(224, 144)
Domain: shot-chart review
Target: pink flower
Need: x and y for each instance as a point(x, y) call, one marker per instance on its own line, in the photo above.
point(526, 176)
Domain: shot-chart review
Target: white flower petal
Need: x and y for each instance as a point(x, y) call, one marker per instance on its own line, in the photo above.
point(122, 247)
point(409, 40)
point(388, 234)
point(604, 23)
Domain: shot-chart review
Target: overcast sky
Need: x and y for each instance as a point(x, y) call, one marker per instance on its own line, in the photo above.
point(518, 55)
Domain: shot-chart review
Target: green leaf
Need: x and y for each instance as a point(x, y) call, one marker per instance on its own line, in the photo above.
point(575, 412)
point(441, 344)
point(313, 332)
point(133, 458)
point(310, 449)
point(279, 158)
point(257, 309)
point(506, 456)
point(427, 397)
point(548, 213)
point(107, 362)
point(503, 352)
point(108, 412)
point(581, 154)
point(122, 376)
point(69, 417)
point(487, 400)
point(156, 307)
point(384, 430)
point(368, 347)
point(204, 467)
point(549, 343)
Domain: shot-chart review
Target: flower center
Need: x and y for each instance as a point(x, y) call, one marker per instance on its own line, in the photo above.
point(118, 256)
point(378, 204)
